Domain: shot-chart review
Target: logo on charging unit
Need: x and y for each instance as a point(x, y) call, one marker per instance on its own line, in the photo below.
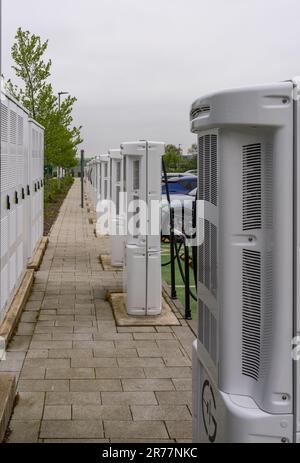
point(208, 411)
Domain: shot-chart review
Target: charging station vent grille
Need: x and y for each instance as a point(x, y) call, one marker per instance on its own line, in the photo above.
point(118, 192)
point(4, 123)
point(124, 173)
point(105, 189)
point(136, 175)
point(204, 109)
point(20, 130)
point(251, 323)
point(208, 258)
point(208, 250)
point(118, 171)
point(13, 127)
point(208, 168)
point(208, 331)
point(252, 188)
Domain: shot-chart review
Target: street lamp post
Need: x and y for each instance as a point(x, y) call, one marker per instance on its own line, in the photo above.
point(59, 106)
point(59, 98)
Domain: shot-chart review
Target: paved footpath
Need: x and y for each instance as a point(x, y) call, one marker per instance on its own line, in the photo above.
point(80, 378)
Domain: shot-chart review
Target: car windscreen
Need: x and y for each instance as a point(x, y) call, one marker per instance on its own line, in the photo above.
point(189, 184)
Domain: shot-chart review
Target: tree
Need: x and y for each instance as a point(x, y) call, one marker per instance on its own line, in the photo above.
point(191, 160)
point(172, 157)
point(176, 162)
point(27, 53)
point(61, 138)
point(193, 150)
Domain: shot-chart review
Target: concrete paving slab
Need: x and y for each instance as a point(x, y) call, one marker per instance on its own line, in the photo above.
point(83, 378)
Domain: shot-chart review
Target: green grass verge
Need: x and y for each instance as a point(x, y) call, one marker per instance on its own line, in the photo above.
point(53, 199)
point(166, 276)
point(51, 192)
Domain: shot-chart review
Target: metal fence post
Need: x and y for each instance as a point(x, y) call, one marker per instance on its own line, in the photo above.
point(188, 315)
point(172, 255)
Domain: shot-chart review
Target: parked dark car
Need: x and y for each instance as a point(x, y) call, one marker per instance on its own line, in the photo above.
point(180, 185)
point(177, 175)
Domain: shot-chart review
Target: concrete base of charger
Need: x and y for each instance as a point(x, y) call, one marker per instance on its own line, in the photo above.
point(105, 261)
point(118, 304)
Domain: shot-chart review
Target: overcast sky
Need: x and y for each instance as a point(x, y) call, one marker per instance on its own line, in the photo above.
point(137, 65)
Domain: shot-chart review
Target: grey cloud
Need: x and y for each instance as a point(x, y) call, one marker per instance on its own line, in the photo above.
point(136, 66)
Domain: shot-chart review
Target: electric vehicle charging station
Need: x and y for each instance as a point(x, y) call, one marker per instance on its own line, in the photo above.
point(89, 178)
point(90, 168)
point(36, 174)
point(21, 195)
point(92, 174)
point(117, 212)
point(96, 181)
point(93, 181)
point(246, 385)
point(103, 204)
point(94, 184)
point(143, 255)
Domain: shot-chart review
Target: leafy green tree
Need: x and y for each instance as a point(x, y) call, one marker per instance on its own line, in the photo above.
point(193, 150)
point(61, 138)
point(28, 52)
point(172, 158)
point(191, 160)
point(176, 162)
